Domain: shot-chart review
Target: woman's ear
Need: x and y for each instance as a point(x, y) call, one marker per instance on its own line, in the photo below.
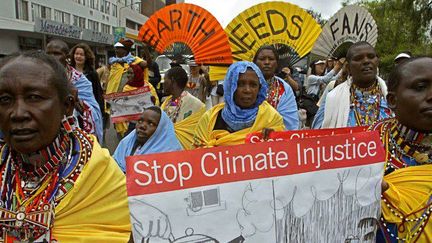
point(69, 105)
point(391, 100)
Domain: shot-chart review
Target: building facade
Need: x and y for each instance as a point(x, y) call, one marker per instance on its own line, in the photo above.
point(29, 24)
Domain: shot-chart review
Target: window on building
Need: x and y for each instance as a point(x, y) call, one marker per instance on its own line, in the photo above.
point(83, 2)
point(105, 28)
point(114, 10)
point(132, 25)
point(93, 4)
point(107, 7)
point(21, 9)
point(61, 16)
point(102, 5)
point(93, 25)
point(79, 21)
point(40, 11)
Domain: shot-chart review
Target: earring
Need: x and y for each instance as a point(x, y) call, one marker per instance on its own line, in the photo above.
point(68, 124)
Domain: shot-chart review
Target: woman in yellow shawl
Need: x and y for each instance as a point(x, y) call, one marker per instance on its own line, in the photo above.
point(407, 187)
point(57, 183)
point(245, 109)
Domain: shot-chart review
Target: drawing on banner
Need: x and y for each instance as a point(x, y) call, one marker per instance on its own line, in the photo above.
point(204, 202)
point(338, 201)
point(128, 106)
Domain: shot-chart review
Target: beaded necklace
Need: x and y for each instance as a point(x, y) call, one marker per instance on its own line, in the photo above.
point(276, 90)
point(173, 109)
point(400, 141)
point(401, 144)
point(28, 198)
point(366, 104)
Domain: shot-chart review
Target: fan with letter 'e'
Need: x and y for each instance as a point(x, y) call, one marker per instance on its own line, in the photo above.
point(349, 25)
point(289, 28)
point(191, 25)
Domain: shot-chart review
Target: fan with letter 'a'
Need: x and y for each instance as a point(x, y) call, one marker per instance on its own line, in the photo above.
point(191, 25)
point(349, 25)
point(289, 28)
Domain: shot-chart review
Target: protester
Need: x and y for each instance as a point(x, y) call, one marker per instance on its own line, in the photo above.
point(196, 84)
point(343, 75)
point(317, 77)
point(280, 95)
point(83, 60)
point(119, 65)
point(57, 180)
point(286, 75)
point(407, 139)
point(245, 109)
point(154, 133)
point(103, 73)
point(87, 109)
point(330, 64)
point(403, 56)
point(182, 108)
point(154, 76)
point(360, 100)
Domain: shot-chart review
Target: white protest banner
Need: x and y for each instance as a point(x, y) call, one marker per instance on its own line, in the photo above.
point(128, 106)
point(322, 189)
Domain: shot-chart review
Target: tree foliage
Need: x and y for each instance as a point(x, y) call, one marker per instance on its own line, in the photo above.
point(403, 25)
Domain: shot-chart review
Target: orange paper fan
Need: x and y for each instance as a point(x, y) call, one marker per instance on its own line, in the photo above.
point(272, 23)
point(191, 25)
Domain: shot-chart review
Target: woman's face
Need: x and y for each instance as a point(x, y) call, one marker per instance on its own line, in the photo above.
point(266, 61)
point(320, 68)
point(30, 107)
point(412, 100)
point(248, 86)
point(147, 125)
point(79, 56)
point(130, 74)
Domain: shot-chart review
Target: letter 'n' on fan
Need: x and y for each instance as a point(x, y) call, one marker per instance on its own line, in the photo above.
point(289, 28)
point(191, 25)
point(349, 25)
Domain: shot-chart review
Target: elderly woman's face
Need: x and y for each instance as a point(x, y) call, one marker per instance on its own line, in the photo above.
point(31, 111)
point(248, 86)
point(412, 100)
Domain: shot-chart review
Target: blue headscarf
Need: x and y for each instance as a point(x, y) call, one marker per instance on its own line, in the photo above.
point(128, 59)
point(236, 117)
point(162, 140)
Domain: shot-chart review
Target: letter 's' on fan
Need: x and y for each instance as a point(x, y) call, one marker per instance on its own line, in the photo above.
point(349, 25)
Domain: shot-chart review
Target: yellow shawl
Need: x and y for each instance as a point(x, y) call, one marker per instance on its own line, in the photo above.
point(205, 136)
point(184, 128)
point(96, 209)
point(410, 189)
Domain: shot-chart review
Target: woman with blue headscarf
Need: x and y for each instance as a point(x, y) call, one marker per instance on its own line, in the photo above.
point(154, 133)
point(245, 109)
